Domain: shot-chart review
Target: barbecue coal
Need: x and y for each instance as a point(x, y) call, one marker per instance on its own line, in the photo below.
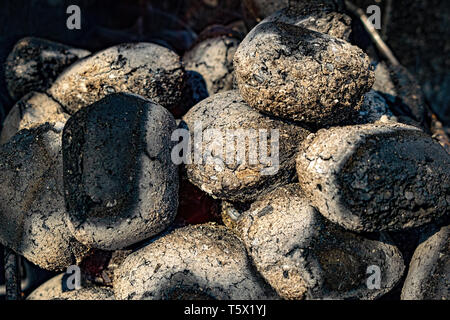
point(194, 262)
point(213, 59)
point(194, 91)
point(402, 94)
point(304, 256)
point(120, 184)
point(147, 69)
point(55, 289)
point(382, 176)
point(228, 175)
point(32, 210)
point(32, 110)
point(303, 75)
point(289, 165)
point(429, 272)
point(257, 10)
point(35, 63)
point(315, 17)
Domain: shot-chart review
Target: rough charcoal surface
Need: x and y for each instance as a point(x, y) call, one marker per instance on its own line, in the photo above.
point(234, 180)
point(317, 17)
point(32, 110)
point(429, 272)
point(213, 59)
point(56, 289)
point(120, 184)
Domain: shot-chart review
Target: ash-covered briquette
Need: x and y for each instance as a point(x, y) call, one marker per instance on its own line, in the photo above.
point(231, 212)
point(195, 262)
point(147, 69)
point(194, 91)
point(429, 272)
point(228, 175)
point(98, 266)
point(35, 63)
point(257, 10)
point(325, 15)
point(298, 74)
point(374, 177)
point(32, 210)
point(32, 110)
point(213, 59)
point(195, 206)
point(56, 289)
point(320, 17)
point(120, 184)
point(402, 93)
point(304, 256)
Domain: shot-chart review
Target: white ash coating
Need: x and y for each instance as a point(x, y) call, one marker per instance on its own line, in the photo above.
point(236, 180)
point(120, 183)
point(147, 69)
point(374, 177)
point(213, 59)
point(32, 210)
point(298, 74)
point(194, 262)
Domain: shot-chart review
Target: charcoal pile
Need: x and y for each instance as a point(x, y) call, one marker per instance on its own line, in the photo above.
point(279, 162)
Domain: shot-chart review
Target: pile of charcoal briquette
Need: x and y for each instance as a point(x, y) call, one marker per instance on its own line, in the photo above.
point(357, 209)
